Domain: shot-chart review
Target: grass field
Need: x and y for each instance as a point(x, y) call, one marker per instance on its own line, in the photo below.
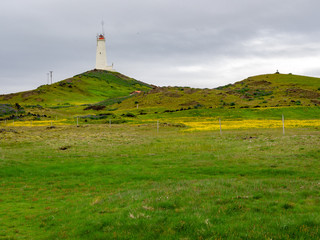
point(185, 180)
point(132, 182)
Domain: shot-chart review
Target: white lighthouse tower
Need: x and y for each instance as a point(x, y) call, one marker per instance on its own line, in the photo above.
point(101, 56)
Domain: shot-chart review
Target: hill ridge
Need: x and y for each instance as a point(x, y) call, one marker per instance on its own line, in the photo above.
point(99, 87)
point(266, 90)
point(88, 87)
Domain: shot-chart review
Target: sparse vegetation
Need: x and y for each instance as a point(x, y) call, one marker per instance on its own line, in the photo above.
point(6, 109)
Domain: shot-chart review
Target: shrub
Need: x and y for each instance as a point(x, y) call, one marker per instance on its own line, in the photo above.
point(261, 93)
point(128, 115)
point(288, 206)
point(99, 116)
point(17, 105)
point(168, 111)
point(243, 90)
point(198, 106)
point(117, 121)
point(142, 112)
point(95, 107)
point(6, 109)
point(35, 106)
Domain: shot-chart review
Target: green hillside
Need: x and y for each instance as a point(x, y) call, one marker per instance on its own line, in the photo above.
point(97, 95)
point(86, 88)
point(270, 90)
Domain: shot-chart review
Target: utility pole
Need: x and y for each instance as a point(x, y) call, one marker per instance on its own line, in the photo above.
point(51, 76)
point(47, 78)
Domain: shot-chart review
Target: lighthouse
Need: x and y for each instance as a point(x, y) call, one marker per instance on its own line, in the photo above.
point(101, 56)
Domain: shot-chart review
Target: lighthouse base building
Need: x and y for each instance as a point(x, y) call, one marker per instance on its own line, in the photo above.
point(101, 56)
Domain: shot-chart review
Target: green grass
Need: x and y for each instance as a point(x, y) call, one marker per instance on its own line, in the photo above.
point(233, 114)
point(130, 182)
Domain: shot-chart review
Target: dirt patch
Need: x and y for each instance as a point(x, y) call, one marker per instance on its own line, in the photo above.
point(315, 101)
point(64, 148)
point(249, 137)
point(190, 103)
point(172, 94)
point(158, 90)
point(190, 91)
point(297, 92)
point(180, 125)
point(28, 94)
point(7, 130)
point(9, 96)
point(260, 83)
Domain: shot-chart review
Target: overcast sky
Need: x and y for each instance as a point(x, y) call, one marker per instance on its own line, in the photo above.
point(203, 43)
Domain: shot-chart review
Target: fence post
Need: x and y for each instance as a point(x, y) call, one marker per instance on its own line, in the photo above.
point(283, 130)
point(220, 126)
point(110, 123)
point(158, 126)
point(77, 121)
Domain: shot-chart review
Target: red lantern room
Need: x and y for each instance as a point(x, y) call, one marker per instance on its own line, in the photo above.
point(101, 37)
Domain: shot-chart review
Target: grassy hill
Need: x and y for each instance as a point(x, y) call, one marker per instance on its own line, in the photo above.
point(270, 90)
point(89, 87)
point(96, 95)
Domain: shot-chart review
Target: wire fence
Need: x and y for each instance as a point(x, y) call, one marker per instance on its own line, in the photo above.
point(190, 124)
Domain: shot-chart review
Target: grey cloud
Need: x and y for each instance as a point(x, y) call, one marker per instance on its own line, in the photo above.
point(151, 40)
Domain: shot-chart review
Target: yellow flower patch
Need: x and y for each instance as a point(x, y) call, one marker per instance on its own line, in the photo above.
point(35, 123)
point(247, 124)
